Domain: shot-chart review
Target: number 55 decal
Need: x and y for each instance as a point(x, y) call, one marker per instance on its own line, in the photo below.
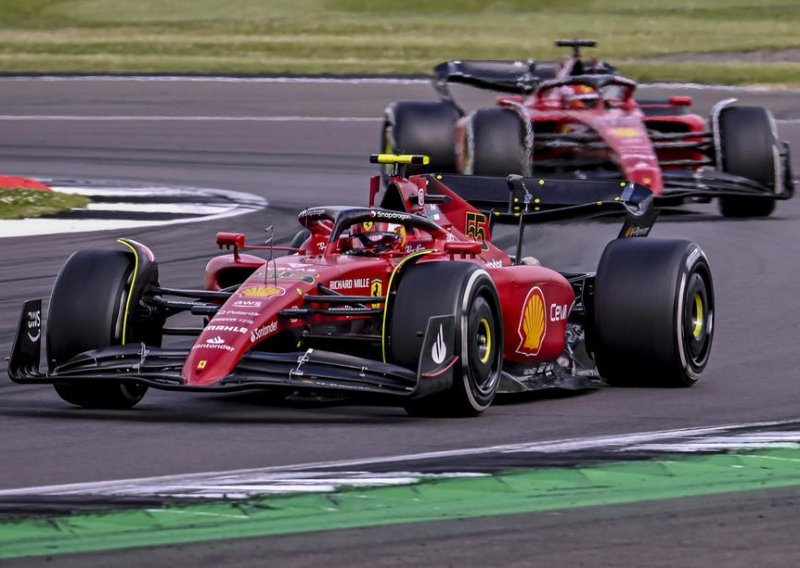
point(476, 228)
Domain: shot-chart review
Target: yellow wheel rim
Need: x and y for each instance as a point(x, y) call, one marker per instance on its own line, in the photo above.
point(699, 316)
point(485, 340)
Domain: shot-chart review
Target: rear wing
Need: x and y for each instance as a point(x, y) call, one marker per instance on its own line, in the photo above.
point(518, 200)
point(517, 77)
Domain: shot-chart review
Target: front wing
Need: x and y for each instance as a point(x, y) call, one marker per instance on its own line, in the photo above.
point(312, 369)
point(704, 183)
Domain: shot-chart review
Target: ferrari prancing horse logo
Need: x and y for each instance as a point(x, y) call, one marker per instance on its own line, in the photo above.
point(376, 290)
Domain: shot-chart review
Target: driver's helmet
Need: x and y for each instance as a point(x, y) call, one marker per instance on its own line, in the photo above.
point(370, 238)
point(597, 67)
point(579, 97)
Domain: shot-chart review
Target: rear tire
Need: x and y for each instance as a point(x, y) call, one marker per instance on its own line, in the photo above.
point(468, 292)
point(495, 143)
point(416, 127)
point(86, 312)
point(749, 148)
point(653, 313)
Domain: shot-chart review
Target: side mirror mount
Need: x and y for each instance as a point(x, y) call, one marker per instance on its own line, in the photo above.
point(231, 240)
point(680, 101)
point(463, 248)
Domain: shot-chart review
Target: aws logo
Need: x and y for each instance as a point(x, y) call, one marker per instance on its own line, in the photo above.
point(532, 323)
point(263, 292)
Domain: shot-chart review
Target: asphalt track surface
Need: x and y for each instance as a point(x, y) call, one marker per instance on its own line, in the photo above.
point(216, 135)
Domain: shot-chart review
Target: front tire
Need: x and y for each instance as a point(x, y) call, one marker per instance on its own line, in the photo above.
point(749, 148)
point(495, 144)
point(87, 311)
point(653, 313)
point(468, 292)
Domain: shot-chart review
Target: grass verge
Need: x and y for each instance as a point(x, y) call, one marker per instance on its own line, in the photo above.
point(22, 203)
point(357, 36)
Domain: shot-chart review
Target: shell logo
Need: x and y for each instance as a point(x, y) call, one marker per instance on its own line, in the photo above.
point(263, 292)
point(532, 323)
point(625, 132)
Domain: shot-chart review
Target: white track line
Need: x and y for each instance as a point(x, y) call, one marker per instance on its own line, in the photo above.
point(123, 118)
point(220, 79)
point(236, 203)
point(347, 81)
point(172, 208)
point(212, 481)
point(133, 118)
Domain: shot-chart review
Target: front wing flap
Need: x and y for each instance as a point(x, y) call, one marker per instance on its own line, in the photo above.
point(681, 183)
point(714, 183)
point(312, 369)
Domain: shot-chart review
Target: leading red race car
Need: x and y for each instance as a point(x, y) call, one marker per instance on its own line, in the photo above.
point(581, 120)
point(407, 300)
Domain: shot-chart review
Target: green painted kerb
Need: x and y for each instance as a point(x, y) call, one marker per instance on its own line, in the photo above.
point(503, 494)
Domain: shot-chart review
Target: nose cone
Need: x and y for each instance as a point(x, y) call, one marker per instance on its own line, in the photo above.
point(248, 317)
point(216, 352)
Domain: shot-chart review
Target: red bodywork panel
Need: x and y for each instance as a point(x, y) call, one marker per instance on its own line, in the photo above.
point(535, 301)
point(618, 123)
point(250, 316)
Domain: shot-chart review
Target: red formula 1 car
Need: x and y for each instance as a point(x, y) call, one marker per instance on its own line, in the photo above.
point(581, 120)
point(407, 300)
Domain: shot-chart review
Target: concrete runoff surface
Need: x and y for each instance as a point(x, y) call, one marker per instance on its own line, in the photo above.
point(508, 493)
point(297, 163)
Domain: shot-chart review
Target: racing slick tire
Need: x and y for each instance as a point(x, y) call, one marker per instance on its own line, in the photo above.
point(653, 313)
point(420, 127)
point(465, 290)
point(495, 143)
point(749, 148)
point(86, 312)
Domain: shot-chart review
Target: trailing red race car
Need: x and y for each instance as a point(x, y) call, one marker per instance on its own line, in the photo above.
point(581, 120)
point(407, 300)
